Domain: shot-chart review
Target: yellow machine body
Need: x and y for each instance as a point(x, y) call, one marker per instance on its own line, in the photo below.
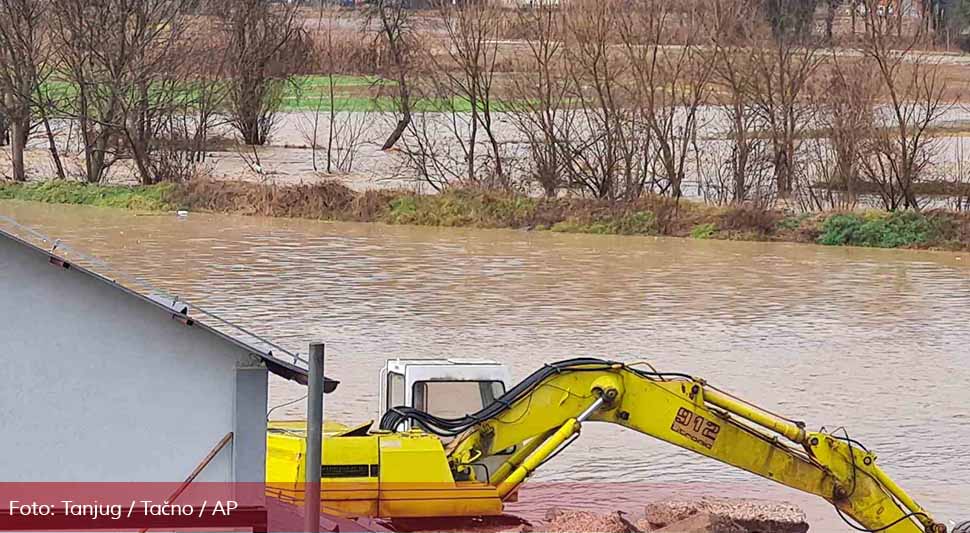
point(393, 475)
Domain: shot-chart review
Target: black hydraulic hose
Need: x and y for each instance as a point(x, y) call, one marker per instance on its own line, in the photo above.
point(664, 375)
point(453, 426)
point(900, 520)
point(850, 441)
point(449, 427)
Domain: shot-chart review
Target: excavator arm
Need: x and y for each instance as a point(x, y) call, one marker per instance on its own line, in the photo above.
point(545, 412)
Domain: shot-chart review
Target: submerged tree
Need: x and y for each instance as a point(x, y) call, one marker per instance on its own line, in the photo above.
point(262, 50)
point(669, 84)
point(468, 72)
point(118, 55)
point(915, 90)
point(783, 71)
point(541, 90)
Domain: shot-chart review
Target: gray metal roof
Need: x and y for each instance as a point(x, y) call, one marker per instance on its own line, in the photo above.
point(293, 369)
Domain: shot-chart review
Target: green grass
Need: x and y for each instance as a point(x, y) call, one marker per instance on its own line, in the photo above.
point(792, 222)
point(629, 223)
point(879, 230)
point(303, 93)
point(462, 208)
point(309, 93)
point(308, 102)
point(299, 94)
point(703, 231)
point(295, 103)
point(403, 210)
point(317, 82)
point(141, 198)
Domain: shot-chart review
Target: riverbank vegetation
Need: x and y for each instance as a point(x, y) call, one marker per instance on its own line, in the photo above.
point(143, 198)
point(648, 215)
point(599, 116)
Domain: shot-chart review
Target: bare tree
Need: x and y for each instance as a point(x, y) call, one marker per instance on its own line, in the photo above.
point(331, 64)
point(434, 147)
point(914, 89)
point(604, 153)
point(396, 35)
point(670, 83)
point(957, 177)
point(344, 130)
point(848, 109)
point(4, 126)
point(831, 10)
point(205, 93)
point(24, 64)
point(472, 30)
point(740, 174)
point(194, 93)
point(79, 31)
point(118, 57)
point(263, 48)
point(540, 88)
point(790, 19)
point(785, 63)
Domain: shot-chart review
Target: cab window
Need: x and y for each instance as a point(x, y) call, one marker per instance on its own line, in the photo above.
point(395, 389)
point(452, 399)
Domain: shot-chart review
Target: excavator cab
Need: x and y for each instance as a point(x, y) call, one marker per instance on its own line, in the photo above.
point(446, 388)
point(398, 472)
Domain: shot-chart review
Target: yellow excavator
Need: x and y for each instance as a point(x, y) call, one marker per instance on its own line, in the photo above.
point(456, 440)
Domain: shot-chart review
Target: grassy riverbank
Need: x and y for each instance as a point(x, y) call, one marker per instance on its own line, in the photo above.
point(482, 209)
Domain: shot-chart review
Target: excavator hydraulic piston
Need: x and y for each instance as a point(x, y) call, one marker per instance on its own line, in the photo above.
point(749, 412)
point(524, 450)
point(546, 449)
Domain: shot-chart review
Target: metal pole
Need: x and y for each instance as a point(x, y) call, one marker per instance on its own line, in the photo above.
point(314, 423)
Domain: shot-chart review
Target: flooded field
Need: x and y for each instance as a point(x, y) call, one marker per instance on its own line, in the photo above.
point(287, 159)
point(872, 340)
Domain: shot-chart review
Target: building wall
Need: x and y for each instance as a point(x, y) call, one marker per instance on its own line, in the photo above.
point(98, 385)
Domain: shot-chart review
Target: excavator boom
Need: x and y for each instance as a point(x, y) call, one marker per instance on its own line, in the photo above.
point(545, 412)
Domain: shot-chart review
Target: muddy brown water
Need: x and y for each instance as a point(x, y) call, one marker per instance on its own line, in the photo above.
point(873, 340)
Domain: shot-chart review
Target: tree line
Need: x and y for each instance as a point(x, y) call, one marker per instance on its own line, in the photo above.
point(737, 101)
point(141, 80)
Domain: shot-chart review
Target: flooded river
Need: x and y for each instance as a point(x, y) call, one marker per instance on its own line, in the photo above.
point(872, 340)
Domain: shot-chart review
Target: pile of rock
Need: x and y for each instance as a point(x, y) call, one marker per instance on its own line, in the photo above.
point(705, 515)
point(575, 521)
point(726, 515)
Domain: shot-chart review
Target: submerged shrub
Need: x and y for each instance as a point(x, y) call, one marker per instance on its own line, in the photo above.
point(897, 229)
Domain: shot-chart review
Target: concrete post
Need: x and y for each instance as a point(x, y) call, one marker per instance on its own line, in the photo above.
point(314, 439)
